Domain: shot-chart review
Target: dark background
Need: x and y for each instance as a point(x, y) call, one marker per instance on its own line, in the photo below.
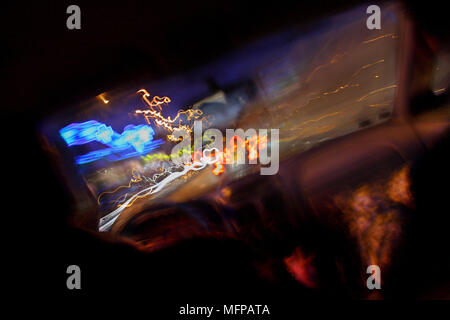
point(129, 41)
point(45, 66)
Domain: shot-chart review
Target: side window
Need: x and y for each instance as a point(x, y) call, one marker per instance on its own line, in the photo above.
point(332, 81)
point(441, 74)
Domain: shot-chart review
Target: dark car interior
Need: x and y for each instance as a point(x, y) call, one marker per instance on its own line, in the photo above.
point(344, 199)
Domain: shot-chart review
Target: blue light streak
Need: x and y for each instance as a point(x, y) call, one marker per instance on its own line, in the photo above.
point(134, 140)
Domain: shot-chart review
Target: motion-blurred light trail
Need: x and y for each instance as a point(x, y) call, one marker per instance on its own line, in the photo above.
point(107, 221)
point(172, 125)
point(134, 140)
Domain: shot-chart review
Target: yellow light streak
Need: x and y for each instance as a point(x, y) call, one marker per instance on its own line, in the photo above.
point(376, 91)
